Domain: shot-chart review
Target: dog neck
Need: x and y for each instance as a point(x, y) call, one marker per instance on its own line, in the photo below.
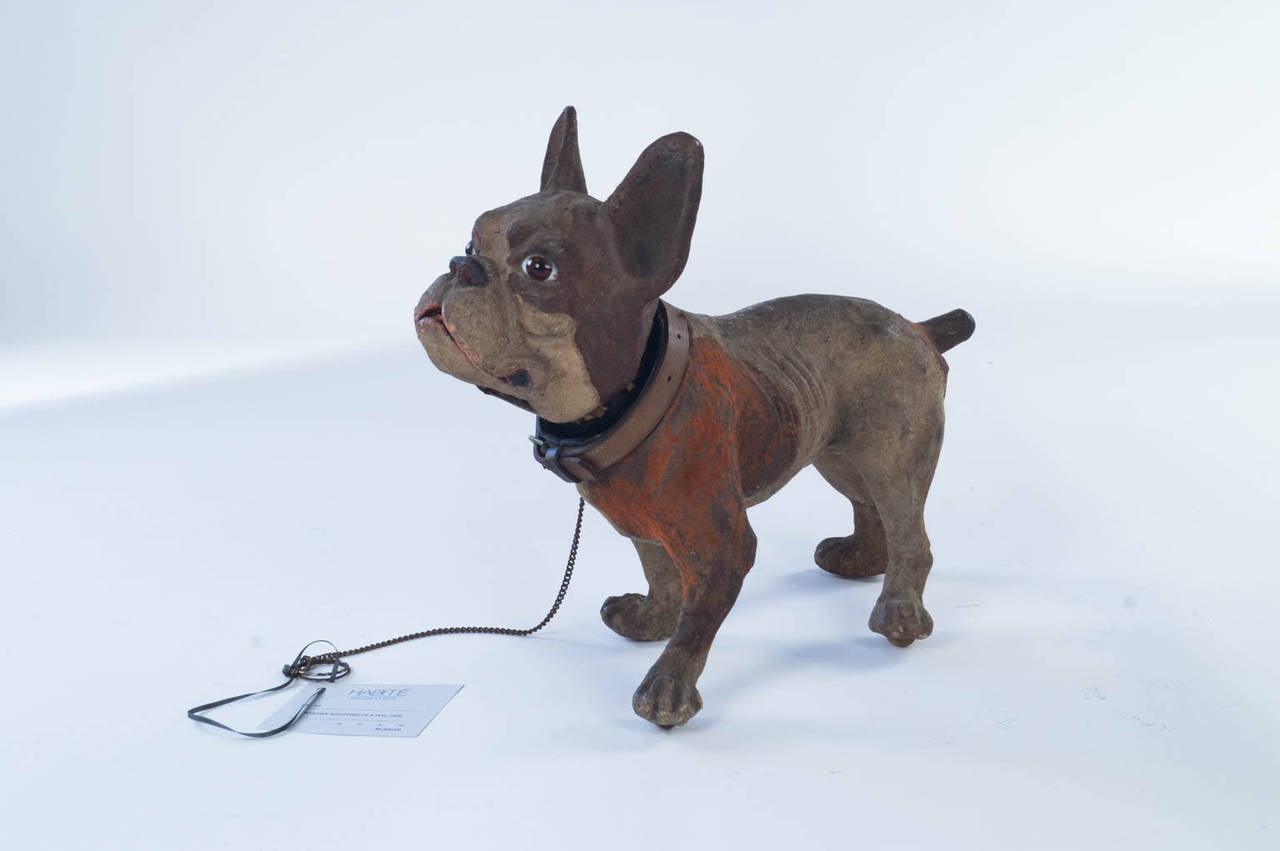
point(580, 451)
point(615, 406)
point(614, 401)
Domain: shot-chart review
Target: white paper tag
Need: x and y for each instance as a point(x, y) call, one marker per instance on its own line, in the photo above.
point(366, 710)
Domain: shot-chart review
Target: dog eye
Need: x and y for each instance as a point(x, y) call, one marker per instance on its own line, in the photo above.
point(470, 249)
point(539, 268)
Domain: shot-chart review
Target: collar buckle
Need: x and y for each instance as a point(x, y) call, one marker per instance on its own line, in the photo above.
point(571, 467)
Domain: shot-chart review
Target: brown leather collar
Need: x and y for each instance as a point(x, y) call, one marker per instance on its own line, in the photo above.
point(585, 459)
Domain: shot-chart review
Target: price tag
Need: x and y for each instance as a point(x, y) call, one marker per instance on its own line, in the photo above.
point(366, 710)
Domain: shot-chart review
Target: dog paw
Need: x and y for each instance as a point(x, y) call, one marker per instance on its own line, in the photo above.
point(849, 557)
point(638, 617)
point(666, 700)
point(901, 619)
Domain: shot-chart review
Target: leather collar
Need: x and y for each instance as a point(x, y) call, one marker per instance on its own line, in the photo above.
point(583, 459)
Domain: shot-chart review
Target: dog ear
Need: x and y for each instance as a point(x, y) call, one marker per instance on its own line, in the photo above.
point(562, 166)
point(654, 209)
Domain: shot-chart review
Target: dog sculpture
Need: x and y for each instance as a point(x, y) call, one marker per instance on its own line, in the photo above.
point(673, 424)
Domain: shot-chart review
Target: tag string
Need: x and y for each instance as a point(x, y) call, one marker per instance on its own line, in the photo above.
point(331, 667)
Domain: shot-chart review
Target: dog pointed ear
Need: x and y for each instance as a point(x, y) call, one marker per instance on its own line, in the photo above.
point(562, 166)
point(654, 209)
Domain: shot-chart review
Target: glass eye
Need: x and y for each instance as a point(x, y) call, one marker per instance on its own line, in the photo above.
point(539, 268)
point(470, 249)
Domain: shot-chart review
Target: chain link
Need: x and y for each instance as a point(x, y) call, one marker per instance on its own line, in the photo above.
point(303, 665)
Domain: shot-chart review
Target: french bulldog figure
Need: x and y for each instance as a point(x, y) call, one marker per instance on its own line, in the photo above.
point(672, 424)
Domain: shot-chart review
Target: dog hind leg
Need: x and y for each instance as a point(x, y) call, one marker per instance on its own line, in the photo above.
point(864, 553)
point(898, 487)
point(899, 614)
point(652, 616)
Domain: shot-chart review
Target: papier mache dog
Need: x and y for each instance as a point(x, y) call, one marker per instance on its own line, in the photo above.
point(672, 424)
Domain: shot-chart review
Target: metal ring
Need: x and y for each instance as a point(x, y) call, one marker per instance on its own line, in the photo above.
point(337, 670)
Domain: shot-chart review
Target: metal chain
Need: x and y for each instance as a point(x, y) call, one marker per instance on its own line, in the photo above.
point(303, 665)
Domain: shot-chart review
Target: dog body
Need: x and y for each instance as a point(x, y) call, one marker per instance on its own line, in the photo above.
point(554, 308)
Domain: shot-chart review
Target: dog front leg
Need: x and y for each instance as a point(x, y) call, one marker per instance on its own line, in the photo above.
point(712, 567)
point(651, 616)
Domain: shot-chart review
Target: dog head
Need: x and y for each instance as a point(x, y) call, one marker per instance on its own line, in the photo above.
point(554, 298)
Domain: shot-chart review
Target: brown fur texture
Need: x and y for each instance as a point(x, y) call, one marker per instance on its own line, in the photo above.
point(840, 383)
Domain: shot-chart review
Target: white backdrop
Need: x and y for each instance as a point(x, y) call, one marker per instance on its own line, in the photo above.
point(301, 170)
point(219, 439)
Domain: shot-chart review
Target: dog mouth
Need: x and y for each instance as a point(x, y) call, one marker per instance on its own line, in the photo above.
point(431, 314)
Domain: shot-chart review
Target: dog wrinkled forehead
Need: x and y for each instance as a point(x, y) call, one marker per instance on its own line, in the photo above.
point(547, 220)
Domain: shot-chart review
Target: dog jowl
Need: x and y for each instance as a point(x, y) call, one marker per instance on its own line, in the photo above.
point(672, 424)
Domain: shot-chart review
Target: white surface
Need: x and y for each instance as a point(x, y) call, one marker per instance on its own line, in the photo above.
point(50, 371)
point(1102, 673)
point(197, 196)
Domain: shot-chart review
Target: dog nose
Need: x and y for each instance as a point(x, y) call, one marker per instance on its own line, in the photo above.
point(468, 272)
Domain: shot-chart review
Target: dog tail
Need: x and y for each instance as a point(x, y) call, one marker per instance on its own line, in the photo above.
point(949, 330)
